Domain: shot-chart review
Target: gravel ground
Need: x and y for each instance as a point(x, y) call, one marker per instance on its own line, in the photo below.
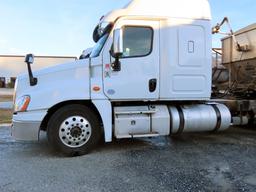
point(197, 162)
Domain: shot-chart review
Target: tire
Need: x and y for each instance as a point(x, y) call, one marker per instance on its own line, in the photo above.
point(252, 119)
point(74, 130)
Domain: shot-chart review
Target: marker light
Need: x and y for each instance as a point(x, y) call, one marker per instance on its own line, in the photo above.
point(22, 104)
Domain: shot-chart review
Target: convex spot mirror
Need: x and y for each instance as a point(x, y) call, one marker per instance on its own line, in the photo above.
point(29, 58)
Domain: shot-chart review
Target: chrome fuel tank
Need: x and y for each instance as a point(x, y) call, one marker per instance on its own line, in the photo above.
point(199, 118)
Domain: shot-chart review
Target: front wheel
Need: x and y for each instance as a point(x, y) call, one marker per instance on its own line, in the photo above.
point(74, 130)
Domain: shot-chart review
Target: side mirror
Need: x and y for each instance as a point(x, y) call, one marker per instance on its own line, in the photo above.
point(29, 59)
point(118, 42)
point(117, 51)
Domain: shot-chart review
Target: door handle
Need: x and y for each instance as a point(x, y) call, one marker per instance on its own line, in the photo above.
point(152, 85)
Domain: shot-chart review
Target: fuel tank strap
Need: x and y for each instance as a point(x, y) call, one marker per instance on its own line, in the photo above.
point(218, 124)
point(182, 120)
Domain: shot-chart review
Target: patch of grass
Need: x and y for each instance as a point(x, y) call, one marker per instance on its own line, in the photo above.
point(5, 116)
point(4, 98)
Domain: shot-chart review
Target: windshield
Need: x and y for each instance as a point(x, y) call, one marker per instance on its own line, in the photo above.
point(99, 45)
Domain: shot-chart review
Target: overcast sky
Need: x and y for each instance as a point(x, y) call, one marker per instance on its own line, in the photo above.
point(64, 27)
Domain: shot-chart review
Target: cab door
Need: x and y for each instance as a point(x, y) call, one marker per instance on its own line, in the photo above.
point(138, 77)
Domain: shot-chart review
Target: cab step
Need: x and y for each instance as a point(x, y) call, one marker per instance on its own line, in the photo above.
point(138, 135)
point(134, 110)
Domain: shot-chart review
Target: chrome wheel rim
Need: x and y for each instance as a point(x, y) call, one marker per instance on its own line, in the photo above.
point(75, 131)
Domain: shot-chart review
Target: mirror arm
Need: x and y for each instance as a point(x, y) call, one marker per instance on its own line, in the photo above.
point(29, 59)
point(32, 80)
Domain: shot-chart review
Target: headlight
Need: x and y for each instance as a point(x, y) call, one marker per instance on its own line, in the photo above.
point(22, 103)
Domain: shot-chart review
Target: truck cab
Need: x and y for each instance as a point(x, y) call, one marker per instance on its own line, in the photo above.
point(148, 75)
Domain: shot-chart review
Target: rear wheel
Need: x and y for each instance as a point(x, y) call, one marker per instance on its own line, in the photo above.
point(252, 119)
point(74, 130)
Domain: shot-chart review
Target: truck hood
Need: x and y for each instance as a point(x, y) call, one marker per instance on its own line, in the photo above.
point(56, 69)
point(56, 84)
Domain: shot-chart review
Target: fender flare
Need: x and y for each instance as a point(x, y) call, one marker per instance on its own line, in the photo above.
point(104, 108)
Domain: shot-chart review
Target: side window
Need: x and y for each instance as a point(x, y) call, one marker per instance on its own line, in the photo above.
point(137, 41)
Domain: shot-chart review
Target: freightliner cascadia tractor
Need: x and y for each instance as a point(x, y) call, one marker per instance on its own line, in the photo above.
point(149, 74)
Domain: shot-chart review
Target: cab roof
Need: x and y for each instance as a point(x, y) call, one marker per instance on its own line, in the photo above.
point(188, 9)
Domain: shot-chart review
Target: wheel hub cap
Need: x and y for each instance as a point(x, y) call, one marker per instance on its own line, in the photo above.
point(75, 131)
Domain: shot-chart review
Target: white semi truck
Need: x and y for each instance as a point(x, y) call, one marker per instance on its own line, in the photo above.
point(149, 74)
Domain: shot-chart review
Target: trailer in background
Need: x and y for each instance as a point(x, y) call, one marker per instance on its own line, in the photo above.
point(242, 65)
point(235, 78)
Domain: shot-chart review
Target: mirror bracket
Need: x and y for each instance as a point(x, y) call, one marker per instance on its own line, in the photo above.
point(116, 65)
point(29, 59)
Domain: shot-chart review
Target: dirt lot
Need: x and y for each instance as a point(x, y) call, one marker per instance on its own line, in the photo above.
point(197, 162)
point(4, 98)
point(6, 91)
point(5, 116)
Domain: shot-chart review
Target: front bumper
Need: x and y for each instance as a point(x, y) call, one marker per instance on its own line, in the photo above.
point(26, 125)
point(25, 131)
